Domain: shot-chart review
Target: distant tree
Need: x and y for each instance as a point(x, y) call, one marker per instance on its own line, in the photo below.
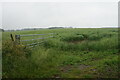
point(55, 27)
point(1, 30)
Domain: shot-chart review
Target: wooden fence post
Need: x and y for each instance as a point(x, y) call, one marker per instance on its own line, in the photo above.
point(17, 39)
point(11, 37)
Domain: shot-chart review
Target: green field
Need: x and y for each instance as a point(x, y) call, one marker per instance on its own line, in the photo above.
point(72, 53)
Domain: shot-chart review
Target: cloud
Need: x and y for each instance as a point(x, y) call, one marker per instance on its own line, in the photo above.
point(44, 14)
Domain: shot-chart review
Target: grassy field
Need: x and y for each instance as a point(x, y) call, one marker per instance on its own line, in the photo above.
point(72, 53)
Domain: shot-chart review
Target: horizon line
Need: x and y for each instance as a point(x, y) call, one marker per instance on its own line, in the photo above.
point(61, 27)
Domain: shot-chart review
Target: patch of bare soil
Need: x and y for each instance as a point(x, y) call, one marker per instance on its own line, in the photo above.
point(63, 69)
point(66, 68)
point(56, 76)
point(69, 67)
point(82, 66)
point(84, 69)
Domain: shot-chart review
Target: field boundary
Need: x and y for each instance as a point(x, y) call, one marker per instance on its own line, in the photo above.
point(18, 40)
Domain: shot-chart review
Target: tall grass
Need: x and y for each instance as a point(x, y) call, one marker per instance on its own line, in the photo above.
point(76, 49)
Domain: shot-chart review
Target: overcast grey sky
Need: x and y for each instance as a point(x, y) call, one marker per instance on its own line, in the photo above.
point(45, 14)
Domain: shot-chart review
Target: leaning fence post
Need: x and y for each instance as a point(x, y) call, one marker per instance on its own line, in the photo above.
point(11, 37)
point(17, 39)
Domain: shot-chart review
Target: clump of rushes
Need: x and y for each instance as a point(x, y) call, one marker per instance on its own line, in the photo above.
point(14, 58)
point(9, 48)
point(77, 37)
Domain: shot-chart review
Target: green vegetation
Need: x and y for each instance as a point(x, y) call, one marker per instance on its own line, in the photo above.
point(72, 53)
